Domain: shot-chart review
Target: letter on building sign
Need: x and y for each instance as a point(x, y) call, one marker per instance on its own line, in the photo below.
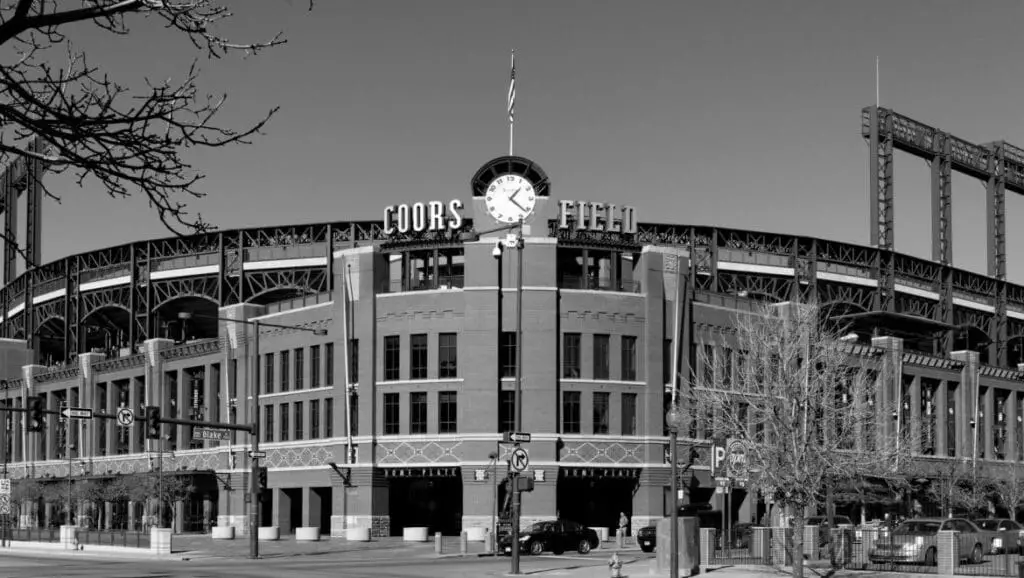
point(420, 217)
point(564, 206)
point(455, 210)
point(403, 218)
point(436, 216)
point(389, 226)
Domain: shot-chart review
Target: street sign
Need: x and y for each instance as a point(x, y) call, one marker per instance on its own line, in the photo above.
point(5, 487)
point(5, 504)
point(76, 413)
point(257, 455)
point(125, 417)
point(519, 460)
point(737, 464)
point(517, 438)
point(723, 482)
point(210, 433)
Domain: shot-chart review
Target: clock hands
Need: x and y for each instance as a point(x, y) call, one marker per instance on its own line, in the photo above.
point(512, 199)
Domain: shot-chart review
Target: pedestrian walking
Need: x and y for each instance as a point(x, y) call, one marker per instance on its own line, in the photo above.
point(623, 524)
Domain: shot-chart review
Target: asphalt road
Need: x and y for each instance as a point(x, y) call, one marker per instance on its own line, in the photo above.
point(379, 564)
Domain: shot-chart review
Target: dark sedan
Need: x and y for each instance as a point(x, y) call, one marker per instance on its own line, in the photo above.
point(554, 536)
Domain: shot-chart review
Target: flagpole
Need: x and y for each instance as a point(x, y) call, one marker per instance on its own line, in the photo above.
point(512, 105)
point(876, 82)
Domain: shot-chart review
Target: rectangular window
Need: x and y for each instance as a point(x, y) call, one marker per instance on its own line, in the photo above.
point(268, 423)
point(727, 368)
point(571, 412)
point(447, 412)
point(285, 371)
point(392, 363)
point(447, 355)
point(666, 360)
point(353, 361)
point(418, 356)
point(628, 358)
point(329, 418)
point(328, 364)
point(314, 419)
point(268, 374)
point(571, 355)
point(299, 419)
point(507, 411)
point(418, 412)
point(314, 366)
point(353, 412)
point(708, 359)
point(602, 407)
point(284, 422)
point(300, 368)
point(602, 357)
point(629, 414)
point(391, 414)
point(507, 354)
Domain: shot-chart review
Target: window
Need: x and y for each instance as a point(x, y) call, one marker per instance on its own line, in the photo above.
point(727, 368)
point(314, 366)
point(391, 414)
point(628, 358)
point(392, 364)
point(602, 349)
point(299, 419)
point(353, 413)
point(602, 403)
point(507, 354)
point(418, 412)
point(268, 423)
point(447, 414)
point(328, 364)
point(571, 412)
point(314, 419)
point(300, 368)
point(418, 356)
point(448, 356)
point(571, 355)
point(284, 422)
point(709, 365)
point(329, 417)
point(506, 411)
point(353, 361)
point(629, 414)
point(268, 374)
point(666, 360)
point(285, 373)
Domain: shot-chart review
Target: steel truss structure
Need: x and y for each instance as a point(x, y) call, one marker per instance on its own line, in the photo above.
point(22, 175)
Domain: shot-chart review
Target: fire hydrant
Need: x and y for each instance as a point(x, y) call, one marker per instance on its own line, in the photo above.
point(616, 565)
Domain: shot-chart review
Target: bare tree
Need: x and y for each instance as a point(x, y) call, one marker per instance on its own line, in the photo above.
point(802, 403)
point(129, 140)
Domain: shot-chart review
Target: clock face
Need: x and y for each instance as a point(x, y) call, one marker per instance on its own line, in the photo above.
point(510, 198)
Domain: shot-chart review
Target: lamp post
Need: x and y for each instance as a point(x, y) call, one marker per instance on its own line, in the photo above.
point(254, 390)
point(673, 419)
point(494, 514)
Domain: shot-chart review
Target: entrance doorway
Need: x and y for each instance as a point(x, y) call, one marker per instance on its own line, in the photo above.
point(594, 500)
point(433, 499)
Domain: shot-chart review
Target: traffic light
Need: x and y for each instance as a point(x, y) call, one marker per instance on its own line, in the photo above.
point(524, 484)
point(35, 413)
point(152, 422)
point(261, 478)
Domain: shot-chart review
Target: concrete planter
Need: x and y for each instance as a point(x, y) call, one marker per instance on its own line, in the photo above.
point(307, 534)
point(476, 534)
point(357, 534)
point(269, 534)
point(68, 536)
point(602, 534)
point(414, 534)
point(223, 532)
point(160, 540)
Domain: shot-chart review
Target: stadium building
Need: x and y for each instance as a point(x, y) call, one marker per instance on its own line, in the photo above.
point(393, 417)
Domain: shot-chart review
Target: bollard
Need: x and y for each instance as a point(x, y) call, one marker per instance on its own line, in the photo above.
point(464, 543)
point(488, 541)
point(615, 565)
point(619, 538)
point(437, 543)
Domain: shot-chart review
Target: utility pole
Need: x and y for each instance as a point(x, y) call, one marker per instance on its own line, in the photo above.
point(254, 498)
point(516, 496)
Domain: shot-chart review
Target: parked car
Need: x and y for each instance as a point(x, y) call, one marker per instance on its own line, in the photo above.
point(1009, 535)
point(876, 528)
point(647, 538)
point(916, 541)
point(555, 536)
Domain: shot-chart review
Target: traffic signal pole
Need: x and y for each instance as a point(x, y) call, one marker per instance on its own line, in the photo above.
point(254, 486)
point(516, 496)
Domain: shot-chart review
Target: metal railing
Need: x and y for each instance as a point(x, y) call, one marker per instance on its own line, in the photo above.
point(597, 284)
point(122, 538)
point(443, 282)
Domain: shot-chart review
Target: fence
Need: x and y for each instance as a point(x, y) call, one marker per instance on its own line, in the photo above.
point(94, 537)
point(869, 549)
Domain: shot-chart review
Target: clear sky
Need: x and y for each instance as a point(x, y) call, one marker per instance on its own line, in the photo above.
point(735, 113)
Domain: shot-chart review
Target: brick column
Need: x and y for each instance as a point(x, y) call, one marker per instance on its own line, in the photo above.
point(948, 552)
point(183, 395)
point(209, 401)
point(890, 384)
point(915, 413)
point(134, 403)
point(941, 418)
point(707, 546)
point(111, 425)
point(86, 394)
point(966, 401)
point(1012, 451)
point(988, 400)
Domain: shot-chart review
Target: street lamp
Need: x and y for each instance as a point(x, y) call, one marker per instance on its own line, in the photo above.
point(254, 544)
point(514, 240)
point(493, 456)
point(673, 419)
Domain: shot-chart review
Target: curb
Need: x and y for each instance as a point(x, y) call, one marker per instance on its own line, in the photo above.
point(38, 552)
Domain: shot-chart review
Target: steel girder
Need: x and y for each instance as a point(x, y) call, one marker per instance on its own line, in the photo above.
point(877, 126)
point(942, 204)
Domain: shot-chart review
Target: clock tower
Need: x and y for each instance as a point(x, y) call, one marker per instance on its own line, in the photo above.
point(509, 188)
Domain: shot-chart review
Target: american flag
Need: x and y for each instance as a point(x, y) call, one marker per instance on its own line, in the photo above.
point(512, 91)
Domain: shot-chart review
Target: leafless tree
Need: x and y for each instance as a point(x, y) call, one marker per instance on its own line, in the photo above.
point(128, 139)
point(802, 403)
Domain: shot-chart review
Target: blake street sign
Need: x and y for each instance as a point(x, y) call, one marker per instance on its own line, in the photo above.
point(76, 412)
point(210, 433)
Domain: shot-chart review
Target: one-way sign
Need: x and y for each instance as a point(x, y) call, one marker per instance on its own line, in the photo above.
point(76, 412)
point(517, 438)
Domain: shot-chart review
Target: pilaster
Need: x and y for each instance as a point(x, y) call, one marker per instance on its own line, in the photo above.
point(942, 419)
point(890, 384)
point(967, 402)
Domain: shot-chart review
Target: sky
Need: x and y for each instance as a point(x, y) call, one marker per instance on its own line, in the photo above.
point(737, 113)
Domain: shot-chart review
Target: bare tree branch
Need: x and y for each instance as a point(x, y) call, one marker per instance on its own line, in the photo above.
point(130, 140)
